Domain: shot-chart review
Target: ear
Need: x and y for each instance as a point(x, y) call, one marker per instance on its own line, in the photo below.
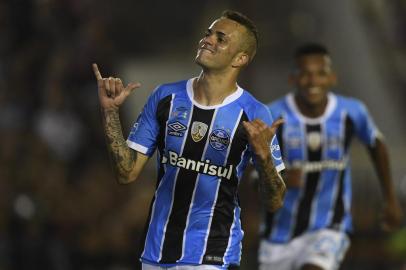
point(292, 80)
point(240, 60)
point(333, 79)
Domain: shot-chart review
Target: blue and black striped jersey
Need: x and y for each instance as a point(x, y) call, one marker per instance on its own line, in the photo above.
point(202, 153)
point(319, 146)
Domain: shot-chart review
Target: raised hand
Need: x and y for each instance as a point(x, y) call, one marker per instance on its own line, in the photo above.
point(260, 136)
point(112, 92)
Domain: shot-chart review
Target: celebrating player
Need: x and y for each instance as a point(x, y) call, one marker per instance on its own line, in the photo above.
point(310, 231)
point(205, 130)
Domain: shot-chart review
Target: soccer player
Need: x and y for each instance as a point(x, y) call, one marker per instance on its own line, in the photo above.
point(310, 230)
point(205, 131)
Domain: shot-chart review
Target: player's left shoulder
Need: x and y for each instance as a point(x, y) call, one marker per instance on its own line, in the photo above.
point(173, 87)
point(253, 107)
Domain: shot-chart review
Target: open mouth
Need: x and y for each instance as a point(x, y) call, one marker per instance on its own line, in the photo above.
point(206, 49)
point(315, 90)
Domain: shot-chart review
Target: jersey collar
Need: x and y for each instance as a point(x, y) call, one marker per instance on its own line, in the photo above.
point(234, 96)
point(331, 105)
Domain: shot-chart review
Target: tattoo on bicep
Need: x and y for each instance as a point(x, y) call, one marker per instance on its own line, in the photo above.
point(121, 154)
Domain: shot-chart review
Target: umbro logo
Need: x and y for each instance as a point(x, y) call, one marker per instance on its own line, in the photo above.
point(176, 129)
point(176, 126)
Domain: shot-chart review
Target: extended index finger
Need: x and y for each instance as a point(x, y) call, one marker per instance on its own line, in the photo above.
point(97, 72)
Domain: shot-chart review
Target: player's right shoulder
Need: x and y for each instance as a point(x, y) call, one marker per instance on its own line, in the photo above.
point(174, 85)
point(166, 89)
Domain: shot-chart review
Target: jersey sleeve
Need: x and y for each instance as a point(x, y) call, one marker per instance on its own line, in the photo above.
point(143, 134)
point(275, 109)
point(365, 127)
point(264, 114)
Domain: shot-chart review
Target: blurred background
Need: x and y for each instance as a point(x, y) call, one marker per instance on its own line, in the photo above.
point(60, 207)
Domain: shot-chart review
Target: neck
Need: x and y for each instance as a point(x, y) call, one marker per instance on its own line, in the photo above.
point(311, 110)
point(211, 89)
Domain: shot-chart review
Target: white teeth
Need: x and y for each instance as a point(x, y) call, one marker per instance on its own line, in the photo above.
point(206, 49)
point(314, 90)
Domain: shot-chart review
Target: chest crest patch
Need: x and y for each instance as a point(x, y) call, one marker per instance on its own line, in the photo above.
point(199, 129)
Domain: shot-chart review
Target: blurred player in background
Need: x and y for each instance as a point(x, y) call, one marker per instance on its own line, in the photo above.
point(205, 130)
point(310, 230)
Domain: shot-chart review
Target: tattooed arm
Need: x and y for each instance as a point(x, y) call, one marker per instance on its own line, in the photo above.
point(127, 163)
point(272, 187)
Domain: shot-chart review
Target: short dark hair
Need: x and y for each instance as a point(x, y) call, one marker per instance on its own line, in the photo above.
point(311, 48)
point(243, 20)
point(251, 44)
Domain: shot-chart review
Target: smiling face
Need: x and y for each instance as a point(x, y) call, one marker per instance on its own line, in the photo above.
point(314, 78)
point(220, 48)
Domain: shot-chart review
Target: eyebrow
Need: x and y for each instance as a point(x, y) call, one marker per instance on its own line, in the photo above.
point(219, 33)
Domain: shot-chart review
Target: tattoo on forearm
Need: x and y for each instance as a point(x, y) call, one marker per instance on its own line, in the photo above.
point(272, 187)
point(123, 157)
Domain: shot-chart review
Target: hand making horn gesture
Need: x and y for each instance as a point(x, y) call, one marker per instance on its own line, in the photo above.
point(112, 92)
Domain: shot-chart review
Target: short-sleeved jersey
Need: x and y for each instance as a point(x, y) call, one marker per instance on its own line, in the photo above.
point(202, 152)
point(319, 146)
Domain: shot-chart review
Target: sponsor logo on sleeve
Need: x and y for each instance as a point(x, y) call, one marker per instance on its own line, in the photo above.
point(133, 130)
point(275, 149)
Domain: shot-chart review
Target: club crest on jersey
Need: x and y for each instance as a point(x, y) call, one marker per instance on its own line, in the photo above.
point(176, 129)
point(314, 141)
point(199, 129)
point(219, 139)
